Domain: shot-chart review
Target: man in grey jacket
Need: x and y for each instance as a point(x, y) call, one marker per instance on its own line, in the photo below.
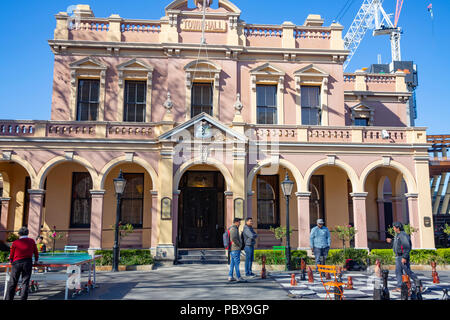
point(235, 251)
point(402, 248)
point(250, 240)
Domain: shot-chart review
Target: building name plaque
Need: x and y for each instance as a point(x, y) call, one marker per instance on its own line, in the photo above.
point(210, 25)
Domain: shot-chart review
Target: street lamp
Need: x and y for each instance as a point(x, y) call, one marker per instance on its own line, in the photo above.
point(119, 186)
point(287, 186)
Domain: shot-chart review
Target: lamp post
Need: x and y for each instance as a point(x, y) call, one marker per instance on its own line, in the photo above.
point(119, 186)
point(287, 186)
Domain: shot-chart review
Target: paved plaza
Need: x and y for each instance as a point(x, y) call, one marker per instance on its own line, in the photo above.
point(198, 282)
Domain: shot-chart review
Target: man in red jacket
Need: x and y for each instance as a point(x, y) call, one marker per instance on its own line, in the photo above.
point(22, 251)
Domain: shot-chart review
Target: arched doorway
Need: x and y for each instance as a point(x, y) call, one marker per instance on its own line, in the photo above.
point(201, 208)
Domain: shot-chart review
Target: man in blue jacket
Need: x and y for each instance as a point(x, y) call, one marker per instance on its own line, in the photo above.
point(320, 241)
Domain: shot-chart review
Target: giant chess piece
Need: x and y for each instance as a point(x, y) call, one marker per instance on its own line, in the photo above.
point(293, 280)
point(434, 273)
point(339, 273)
point(404, 295)
point(303, 270)
point(310, 275)
point(349, 283)
point(417, 292)
point(263, 270)
point(385, 291)
point(445, 295)
point(377, 269)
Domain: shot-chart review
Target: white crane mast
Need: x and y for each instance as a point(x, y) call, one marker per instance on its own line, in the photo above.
point(371, 15)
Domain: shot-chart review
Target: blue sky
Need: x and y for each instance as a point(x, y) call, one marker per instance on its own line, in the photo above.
point(26, 62)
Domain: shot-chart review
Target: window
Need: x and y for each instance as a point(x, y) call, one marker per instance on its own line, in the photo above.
point(310, 103)
point(88, 100)
point(266, 104)
point(363, 122)
point(133, 200)
point(202, 99)
point(268, 201)
point(80, 214)
point(316, 201)
point(135, 101)
point(26, 202)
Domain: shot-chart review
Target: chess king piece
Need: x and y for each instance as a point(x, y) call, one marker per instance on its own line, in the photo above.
point(293, 280)
point(434, 273)
point(303, 270)
point(385, 291)
point(263, 270)
point(349, 283)
point(310, 275)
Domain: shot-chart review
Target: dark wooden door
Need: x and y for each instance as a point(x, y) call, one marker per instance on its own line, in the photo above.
point(199, 218)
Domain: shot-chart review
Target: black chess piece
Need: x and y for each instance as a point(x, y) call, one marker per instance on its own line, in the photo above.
point(445, 295)
point(385, 291)
point(418, 289)
point(303, 275)
point(404, 291)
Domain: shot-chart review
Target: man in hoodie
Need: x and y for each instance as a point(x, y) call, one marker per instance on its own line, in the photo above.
point(250, 240)
point(235, 251)
point(402, 248)
point(320, 241)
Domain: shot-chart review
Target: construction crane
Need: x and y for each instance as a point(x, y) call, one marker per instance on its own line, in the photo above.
point(372, 15)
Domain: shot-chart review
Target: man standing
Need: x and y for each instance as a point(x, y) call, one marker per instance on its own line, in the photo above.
point(250, 240)
point(235, 251)
point(320, 242)
point(22, 251)
point(402, 248)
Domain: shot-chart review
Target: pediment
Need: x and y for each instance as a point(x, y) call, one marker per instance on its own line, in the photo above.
point(202, 66)
point(267, 69)
point(361, 108)
point(311, 71)
point(88, 63)
point(135, 65)
point(202, 127)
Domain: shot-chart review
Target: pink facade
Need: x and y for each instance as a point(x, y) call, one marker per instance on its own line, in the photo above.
point(167, 55)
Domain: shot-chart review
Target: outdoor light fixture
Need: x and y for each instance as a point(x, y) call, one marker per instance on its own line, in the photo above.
point(119, 186)
point(287, 185)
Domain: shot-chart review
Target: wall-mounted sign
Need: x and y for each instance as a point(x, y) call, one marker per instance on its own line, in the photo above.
point(210, 25)
point(239, 208)
point(427, 221)
point(166, 208)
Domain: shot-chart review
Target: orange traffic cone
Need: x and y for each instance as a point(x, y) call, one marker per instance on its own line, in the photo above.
point(293, 280)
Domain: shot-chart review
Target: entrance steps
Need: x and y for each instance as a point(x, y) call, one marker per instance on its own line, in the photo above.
point(202, 256)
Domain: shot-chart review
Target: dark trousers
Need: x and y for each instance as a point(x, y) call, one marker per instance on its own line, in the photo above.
point(19, 268)
point(401, 269)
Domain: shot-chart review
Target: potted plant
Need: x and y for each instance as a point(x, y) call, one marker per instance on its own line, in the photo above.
point(54, 235)
point(345, 233)
point(11, 238)
point(409, 230)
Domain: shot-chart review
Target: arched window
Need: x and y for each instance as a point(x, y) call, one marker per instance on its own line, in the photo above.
point(268, 201)
point(80, 216)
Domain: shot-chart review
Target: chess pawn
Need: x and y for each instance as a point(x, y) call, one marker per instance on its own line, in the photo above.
point(310, 275)
point(350, 283)
point(385, 292)
point(263, 270)
point(377, 268)
point(293, 280)
point(436, 278)
point(327, 276)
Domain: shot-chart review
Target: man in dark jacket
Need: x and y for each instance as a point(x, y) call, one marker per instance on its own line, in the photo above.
point(21, 258)
point(235, 251)
point(250, 240)
point(402, 248)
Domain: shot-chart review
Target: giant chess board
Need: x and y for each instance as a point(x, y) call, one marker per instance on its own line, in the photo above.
point(363, 286)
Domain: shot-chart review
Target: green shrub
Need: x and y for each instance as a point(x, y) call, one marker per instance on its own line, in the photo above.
point(423, 256)
point(4, 256)
point(419, 256)
point(338, 257)
point(386, 256)
point(128, 257)
point(272, 257)
point(444, 254)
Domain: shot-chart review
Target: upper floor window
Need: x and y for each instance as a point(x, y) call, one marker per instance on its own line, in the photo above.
point(202, 99)
point(310, 104)
point(88, 99)
point(135, 101)
point(363, 122)
point(266, 100)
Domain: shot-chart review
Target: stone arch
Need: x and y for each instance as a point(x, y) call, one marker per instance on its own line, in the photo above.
point(351, 173)
point(284, 163)
point(100, 183)
point(26, 165)
point(405, 174)
point(60, 159)
point(210, 161)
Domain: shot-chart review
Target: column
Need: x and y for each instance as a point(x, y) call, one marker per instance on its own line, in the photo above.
point(303, 219)
point(176, 195)
point(381, 223)
point(95, 237)
point(4, 209)
point(414, 218)
point(359, 219)
point(250, 204)
point(35, 212)
point(397, 208)
point(155, 224)
point(229, 208)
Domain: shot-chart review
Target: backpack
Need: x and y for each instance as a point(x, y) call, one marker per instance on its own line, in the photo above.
point(226, 239)
point(242, 241)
